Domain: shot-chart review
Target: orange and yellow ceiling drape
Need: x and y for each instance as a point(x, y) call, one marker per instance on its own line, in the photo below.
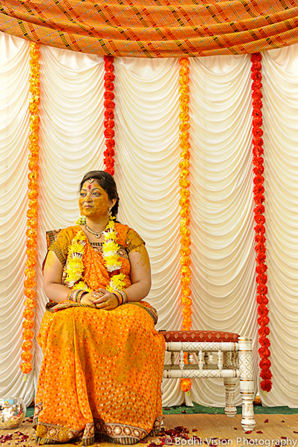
point(154, 28)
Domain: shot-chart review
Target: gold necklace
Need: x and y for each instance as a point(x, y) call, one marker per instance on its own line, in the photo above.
point(97, 235)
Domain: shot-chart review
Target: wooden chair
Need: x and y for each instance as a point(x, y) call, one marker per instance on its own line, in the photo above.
point(234, 362)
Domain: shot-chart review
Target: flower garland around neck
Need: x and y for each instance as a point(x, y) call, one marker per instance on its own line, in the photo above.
point(75, 265)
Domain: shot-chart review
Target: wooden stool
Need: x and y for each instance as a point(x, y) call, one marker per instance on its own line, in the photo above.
point(234, 361)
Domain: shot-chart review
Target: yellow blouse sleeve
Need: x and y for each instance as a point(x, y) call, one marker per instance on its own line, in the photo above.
point(61, 244)
point(133, 240)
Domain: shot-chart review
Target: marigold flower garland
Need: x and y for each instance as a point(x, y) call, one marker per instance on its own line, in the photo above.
point(32, 213)
point(109, 122)
point(260, 220)
point(75, 265)
point(184, 203)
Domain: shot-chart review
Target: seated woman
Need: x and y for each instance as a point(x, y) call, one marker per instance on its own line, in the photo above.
point(102, 357)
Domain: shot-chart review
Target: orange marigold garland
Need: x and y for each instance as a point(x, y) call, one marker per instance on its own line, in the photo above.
point(109, 122)
point(184, 183)
point(259, 210)
point(32, 213)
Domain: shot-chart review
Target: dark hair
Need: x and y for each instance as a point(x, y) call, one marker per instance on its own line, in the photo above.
point(106, 181)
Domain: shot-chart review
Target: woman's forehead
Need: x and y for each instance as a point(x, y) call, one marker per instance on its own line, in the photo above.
point(92, 184)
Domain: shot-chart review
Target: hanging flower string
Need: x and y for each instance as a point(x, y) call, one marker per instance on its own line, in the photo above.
point(184, 203)
point(32, 213)
point(109, 122)
point(259, 210)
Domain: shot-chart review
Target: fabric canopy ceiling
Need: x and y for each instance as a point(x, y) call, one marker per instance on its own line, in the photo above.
point(154, 28)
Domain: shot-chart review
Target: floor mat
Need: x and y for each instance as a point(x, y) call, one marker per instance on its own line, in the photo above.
point(200, 409)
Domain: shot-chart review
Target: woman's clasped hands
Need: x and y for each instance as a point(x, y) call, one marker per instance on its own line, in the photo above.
point(101, 299)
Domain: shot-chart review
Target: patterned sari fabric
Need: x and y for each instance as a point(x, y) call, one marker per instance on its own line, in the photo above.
point(150, 28)
point(101, 372)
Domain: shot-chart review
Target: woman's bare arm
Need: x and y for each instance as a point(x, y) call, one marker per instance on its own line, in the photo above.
point(140, 274)
point(52, 282)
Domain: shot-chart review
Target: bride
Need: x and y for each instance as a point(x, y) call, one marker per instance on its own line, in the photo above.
point(102, 366)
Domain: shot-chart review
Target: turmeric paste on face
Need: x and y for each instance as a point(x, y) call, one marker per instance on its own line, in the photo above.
point(94, 201)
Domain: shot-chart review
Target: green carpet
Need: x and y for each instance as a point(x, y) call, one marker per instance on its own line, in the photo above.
point(29, 412)
point(199, 409)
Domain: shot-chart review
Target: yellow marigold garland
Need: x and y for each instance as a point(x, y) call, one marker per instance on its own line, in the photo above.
point(184, 183)
point(32, 213)
point(110, 254)
point(75, 265)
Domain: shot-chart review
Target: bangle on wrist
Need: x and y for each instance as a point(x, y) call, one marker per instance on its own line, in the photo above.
point(119, 297)
point(76, 295)
point(70, 296)
point(81, 294)
point(125, 296)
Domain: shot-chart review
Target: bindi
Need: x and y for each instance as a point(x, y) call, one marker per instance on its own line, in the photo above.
point(88, 184)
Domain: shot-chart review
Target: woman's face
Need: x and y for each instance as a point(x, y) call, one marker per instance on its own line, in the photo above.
point(94, 201)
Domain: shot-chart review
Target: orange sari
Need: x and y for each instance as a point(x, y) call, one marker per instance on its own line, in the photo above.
point(101, 372)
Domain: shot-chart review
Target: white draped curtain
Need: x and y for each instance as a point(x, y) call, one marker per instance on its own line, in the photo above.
point(147, 175)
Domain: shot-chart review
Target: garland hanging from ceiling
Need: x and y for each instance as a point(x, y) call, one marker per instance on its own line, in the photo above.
point(32, 213)
point(259, 217)
point(184, 184)
point(109, 122)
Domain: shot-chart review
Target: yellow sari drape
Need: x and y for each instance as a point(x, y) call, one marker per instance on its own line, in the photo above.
point(101, 372)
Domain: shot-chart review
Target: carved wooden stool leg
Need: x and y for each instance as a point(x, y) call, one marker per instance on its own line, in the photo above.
point(230, 408)
point(162, 385)
point(246, 383)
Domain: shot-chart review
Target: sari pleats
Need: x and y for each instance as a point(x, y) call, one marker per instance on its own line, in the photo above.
point(100, 377)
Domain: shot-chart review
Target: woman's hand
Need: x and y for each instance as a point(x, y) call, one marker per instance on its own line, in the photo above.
point(88, 298)
point(105, 300)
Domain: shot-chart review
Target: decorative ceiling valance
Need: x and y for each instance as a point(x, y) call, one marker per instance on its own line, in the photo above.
point(154, 28)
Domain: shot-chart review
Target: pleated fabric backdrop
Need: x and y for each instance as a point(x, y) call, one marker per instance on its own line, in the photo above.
point(147, 159)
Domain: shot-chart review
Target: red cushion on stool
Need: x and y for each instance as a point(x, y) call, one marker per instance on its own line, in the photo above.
point(211, 336)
